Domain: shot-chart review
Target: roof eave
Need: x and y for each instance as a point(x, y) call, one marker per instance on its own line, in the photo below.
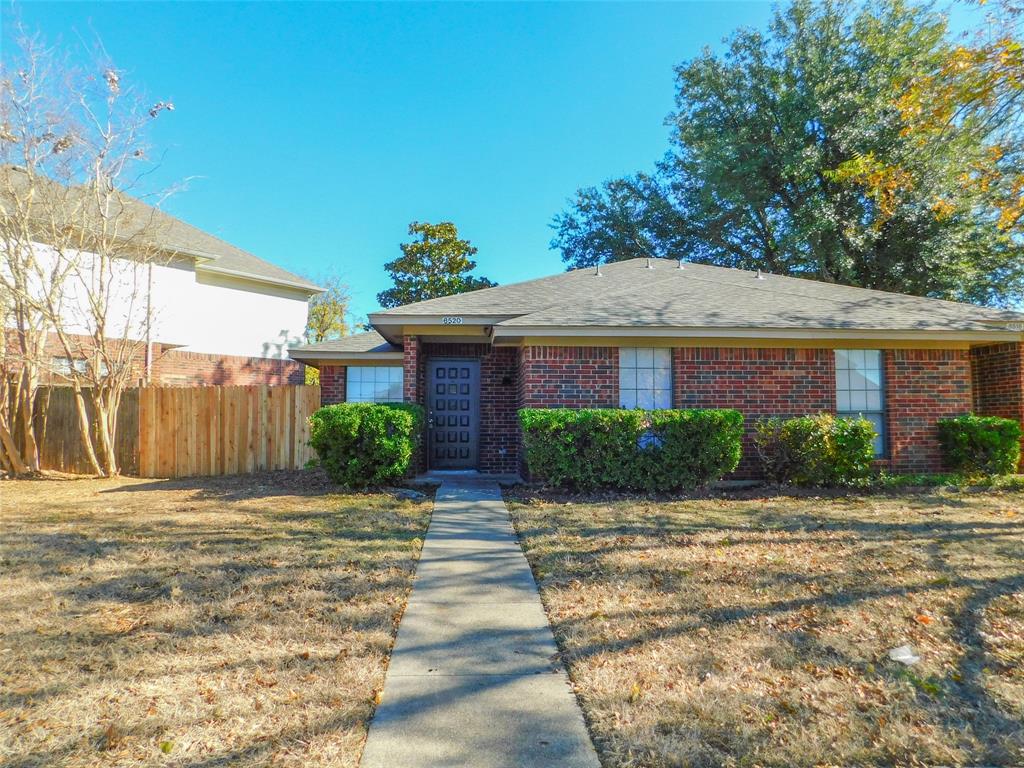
point(309, 288)
point(909, 334)
point(303, 355)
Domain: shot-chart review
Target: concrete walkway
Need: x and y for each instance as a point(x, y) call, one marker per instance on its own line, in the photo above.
point(475, 679)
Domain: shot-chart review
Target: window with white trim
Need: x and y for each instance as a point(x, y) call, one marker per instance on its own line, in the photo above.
point(859, 389)
point(63, 365)
point(645, 377)
point(373, 384)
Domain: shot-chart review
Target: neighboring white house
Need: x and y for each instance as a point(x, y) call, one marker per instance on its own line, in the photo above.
point(212, 312)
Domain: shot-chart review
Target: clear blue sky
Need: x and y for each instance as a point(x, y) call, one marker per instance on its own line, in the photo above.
point(315, 132)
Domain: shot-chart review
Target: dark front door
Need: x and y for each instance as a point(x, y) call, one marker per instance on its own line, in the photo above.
point(453, 413)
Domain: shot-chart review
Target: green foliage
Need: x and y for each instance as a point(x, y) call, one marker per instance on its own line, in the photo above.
point(819, 450)
point(434, 265)
point(366, 444)
point(980, 445)
point(325, 320)
point(789, 155)
point(630, 449)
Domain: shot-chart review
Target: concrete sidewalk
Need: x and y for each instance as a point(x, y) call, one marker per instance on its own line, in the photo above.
point(474, 678)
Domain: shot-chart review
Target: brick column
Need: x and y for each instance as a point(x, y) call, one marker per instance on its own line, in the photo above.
point(332, 384)
point(411, 369)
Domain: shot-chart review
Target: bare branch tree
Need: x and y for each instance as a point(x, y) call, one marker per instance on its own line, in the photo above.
point(77, 249)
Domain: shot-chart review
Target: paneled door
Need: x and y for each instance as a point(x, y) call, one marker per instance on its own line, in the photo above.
point(453, 413)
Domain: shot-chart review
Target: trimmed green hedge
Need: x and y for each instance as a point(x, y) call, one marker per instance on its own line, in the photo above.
point(366, 444)
point(630, 449)
point(820, 450)
point(980, 445)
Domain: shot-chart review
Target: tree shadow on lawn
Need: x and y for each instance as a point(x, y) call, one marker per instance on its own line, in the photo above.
point(180, 613)
point(257, 485)
point(732, 591)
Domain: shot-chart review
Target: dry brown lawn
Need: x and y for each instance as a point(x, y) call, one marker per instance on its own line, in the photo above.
point(756, 632)
point(241, 621)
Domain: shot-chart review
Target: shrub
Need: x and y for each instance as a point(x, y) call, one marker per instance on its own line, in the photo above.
point(366, 444)
point(630, 449)
point(980, 445)
point(815, 450)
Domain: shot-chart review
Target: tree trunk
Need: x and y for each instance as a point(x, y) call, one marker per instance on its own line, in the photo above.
point(84, 428)
point(26, 411)
point(11, 454)
point(105, 415)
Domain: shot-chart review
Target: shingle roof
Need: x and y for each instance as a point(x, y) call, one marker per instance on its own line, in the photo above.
point(628, 294)
point(176, 236)
point(360, 343)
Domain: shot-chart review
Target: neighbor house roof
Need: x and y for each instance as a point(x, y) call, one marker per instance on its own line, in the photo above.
point(657, 293)
point(370, 344)
point(167, 233)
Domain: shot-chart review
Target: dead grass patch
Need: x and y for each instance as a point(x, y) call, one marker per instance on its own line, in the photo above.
point(242, 621)
point(734, 632)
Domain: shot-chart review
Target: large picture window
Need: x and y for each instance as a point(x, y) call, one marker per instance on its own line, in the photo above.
point(859, 389)
point(645, 378)
point(373, 384)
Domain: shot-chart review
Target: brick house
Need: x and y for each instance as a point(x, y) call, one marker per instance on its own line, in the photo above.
point(664, 334)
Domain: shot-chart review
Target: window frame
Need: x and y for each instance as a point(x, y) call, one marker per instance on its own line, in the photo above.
point(654, 389)
point(68, 367)
point(883, 413)
point(350, 369)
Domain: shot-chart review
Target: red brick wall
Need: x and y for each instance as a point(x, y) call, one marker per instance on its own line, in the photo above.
point(179, 367)
point(757, 382)
point(921, 387)
point(998, 374)
point(569, 377)
point(332, 384)
point(412, 369)
point(499, 406)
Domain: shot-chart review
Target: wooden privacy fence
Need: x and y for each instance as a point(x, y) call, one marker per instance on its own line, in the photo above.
point(185, 431)
point(60, 438)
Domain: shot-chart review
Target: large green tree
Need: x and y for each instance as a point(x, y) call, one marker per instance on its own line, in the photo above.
point(437, 263)
point(777, 147)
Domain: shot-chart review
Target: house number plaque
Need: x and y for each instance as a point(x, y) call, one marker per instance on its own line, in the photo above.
point(451, 320)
